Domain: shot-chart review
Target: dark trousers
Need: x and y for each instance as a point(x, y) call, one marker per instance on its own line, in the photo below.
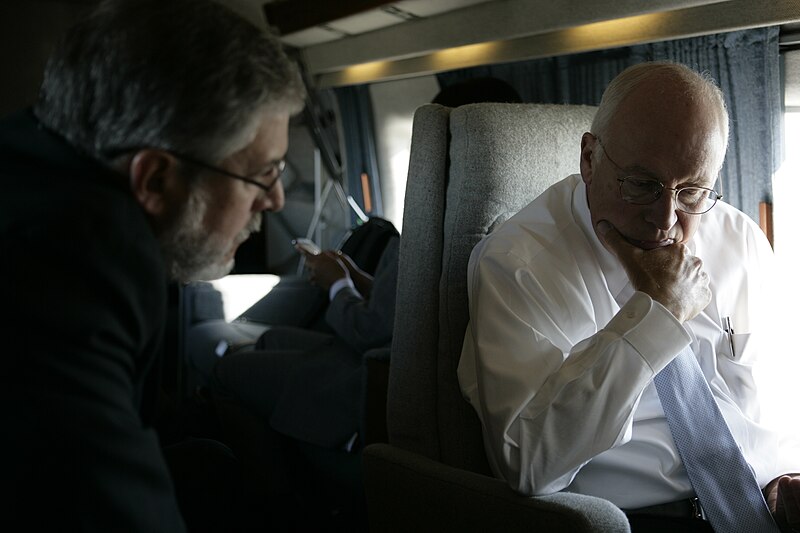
point(208, 485)
point(290, 484)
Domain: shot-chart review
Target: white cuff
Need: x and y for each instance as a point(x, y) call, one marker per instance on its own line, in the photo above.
point(651, 330)
point(340, 284)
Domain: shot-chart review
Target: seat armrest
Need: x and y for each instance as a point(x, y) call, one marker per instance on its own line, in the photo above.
point(377, 354)
point(408, 492)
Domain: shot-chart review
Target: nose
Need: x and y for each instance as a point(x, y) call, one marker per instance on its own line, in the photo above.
point(663, 213)
point(272, 201)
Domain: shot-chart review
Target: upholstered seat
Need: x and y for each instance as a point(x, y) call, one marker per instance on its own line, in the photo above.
point(471, 168)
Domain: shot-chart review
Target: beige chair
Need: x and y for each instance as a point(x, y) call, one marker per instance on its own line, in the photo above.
point(471, 169)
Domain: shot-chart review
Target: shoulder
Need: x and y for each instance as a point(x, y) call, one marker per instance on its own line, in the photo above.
point(726, 229)
point(84, 250)
point(528, 235)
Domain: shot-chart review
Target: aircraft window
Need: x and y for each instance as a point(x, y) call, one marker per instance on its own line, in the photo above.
point(786, 194)
point(786, 181)
point(241, 291)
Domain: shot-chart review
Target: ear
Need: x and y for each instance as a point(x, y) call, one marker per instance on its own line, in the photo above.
point(154, 180)
point(588, 144)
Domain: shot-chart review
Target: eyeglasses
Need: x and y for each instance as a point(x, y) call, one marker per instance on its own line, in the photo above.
point(640, 190)
point(275, 170)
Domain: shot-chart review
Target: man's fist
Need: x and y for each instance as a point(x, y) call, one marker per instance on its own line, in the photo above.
point(670, 275)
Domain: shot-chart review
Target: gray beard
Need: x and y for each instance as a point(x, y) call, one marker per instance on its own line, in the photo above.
point(193, 253)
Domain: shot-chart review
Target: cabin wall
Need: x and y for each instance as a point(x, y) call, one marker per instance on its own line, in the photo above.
point(393, 106)
point(28, 32)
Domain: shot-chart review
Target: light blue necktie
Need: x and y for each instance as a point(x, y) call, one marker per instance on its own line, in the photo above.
point(721, 478)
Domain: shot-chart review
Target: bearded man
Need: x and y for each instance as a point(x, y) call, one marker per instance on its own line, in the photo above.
point(156, 142)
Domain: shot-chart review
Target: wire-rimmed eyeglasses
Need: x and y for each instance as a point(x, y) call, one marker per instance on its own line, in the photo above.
point(274, 171)
point(640, 190)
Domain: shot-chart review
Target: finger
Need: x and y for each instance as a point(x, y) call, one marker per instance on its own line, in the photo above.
point(613, 240)
point(328, 260)
point(304, 251)
point(780, 509)
point(699, 272)
point(703, 274)
point(789, 497)
point(310, 259)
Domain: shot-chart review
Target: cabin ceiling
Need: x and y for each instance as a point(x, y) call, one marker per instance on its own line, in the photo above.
point(304, 23)
point(360, 41)
point(344, 42)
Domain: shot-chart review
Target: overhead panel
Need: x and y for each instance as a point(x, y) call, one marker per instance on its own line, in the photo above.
point(427, 8)
point(483, 22)
point(365, 22)
point(312, 36)
point(302, 31)
point(292, 16)
point(568, 38)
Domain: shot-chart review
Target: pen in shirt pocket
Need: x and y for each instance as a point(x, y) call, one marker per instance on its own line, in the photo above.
point(728, 329)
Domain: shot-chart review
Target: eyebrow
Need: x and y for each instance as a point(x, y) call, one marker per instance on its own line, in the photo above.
point(266, 166)
point(636, 170)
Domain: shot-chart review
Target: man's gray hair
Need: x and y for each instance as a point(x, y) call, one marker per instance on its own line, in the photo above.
point(697, 86)
point(183, 75)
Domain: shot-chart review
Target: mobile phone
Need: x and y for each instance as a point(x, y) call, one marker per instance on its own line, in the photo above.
point(306, 245)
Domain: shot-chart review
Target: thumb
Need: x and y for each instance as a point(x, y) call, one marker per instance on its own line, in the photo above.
point(332, 257)
point(613, 240)
point(348, 261)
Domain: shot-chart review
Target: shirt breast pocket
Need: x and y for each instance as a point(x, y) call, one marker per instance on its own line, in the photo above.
point(738, 347)
point(735, 367)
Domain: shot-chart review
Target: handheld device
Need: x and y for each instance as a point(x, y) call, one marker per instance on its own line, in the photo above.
point(306, 245)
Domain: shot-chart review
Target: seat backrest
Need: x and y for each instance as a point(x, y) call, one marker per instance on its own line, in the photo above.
point(471, 168)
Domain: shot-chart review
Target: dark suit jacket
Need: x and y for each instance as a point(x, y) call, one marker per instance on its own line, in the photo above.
point(84, 292)
point(323, 394)
point(368, 324)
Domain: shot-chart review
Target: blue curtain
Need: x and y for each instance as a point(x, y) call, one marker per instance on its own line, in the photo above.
point(745, 64)
point(355, 109)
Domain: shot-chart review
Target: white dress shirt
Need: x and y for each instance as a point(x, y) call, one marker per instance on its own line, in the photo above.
point(560, 353)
